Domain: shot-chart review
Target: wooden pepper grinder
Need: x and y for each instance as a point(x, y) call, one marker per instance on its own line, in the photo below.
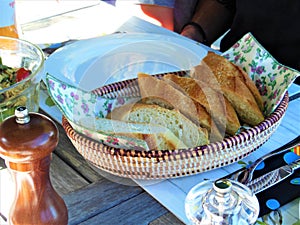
point(26, 143)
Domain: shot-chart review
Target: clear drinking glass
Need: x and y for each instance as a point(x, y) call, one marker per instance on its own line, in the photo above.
point(18, 53)
point(221, 202)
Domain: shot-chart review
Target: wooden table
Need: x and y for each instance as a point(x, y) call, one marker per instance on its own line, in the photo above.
point(91, 197)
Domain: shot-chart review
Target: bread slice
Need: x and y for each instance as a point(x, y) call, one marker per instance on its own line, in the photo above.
point(206, 121)
point(221, 74)
point(184, 129)
point(151, 100)
point(165, 95)
point(157, 89)
point(213, 101)
point(251, 85)
point(156, 136)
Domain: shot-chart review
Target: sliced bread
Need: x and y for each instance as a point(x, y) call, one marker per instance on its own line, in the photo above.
point(206, 121)
point(251, 85)
point(158, 89)
point(184, 129)
point(156, 136)
point(213, 101)
point(219, 73)
point(163, 93)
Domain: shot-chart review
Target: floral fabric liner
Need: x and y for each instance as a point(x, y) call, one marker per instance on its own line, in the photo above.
point(76, 104)
point(271, 78)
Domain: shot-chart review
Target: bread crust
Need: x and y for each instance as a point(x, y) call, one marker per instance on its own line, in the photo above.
point(156, 88)
point(205, 121)
point(213, 101)
point(251, 85)
point(156, 136)
point(221, 74)
point(160, 91)
point(184, 129)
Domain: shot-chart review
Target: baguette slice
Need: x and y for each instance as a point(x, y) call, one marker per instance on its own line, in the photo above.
point(184, 129)
point(219, 73)
point(155, 88)
point(250, 84)
point(159, 89)
point(163, 93)
point(213, 101)
point(206, 121)
point(156, 136)
point(151, 100)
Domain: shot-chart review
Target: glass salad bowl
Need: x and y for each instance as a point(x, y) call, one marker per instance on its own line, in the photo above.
point(21, 69)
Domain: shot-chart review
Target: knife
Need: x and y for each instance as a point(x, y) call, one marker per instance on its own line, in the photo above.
point(244, 175)
point(274, 177)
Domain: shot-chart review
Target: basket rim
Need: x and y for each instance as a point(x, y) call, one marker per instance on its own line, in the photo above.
point(197, 151)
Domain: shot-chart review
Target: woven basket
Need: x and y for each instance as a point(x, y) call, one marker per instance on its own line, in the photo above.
point(160, 164)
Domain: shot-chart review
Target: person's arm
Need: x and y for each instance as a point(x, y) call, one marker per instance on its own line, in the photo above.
point(162, 14)
point(214, 18)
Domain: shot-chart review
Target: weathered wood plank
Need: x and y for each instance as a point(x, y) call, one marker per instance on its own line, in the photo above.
point(167, 219)
point(63, 178)
point(67, 152)
point(139, 210)
point(97, 198)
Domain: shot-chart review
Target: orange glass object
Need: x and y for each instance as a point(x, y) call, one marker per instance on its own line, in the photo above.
point(10, 31)
point(8, 25)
